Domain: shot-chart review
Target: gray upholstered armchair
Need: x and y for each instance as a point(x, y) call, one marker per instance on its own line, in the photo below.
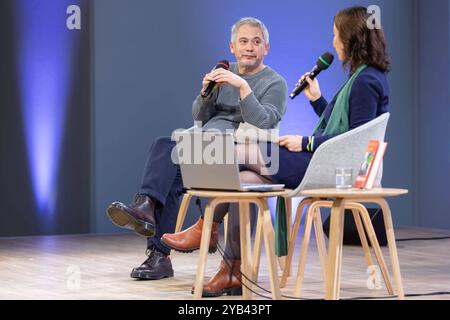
point(345, 150)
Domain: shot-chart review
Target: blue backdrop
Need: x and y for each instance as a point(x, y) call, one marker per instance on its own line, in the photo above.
point(143, 50)
point(79, 110)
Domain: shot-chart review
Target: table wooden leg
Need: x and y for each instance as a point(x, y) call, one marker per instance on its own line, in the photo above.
point(246, 270)
point(392, 246)
point(335, 250)
point(292, 239)
point(257, 246)
point(320, 240)
point(362, 236)
point(204, 246)
point(376, 246)
point(269, 244)
point(304, 249)
point(225, 228)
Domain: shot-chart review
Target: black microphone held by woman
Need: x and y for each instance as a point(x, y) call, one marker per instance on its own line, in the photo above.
point(322, 63)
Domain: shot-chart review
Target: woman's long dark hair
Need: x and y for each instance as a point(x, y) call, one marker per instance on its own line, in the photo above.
point(361, 43)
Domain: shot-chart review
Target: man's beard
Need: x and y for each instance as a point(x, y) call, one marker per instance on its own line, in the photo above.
point(250, 65)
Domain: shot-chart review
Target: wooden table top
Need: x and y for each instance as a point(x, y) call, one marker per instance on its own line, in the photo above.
point(237, 194)
point(315, 193)
point(354, 193)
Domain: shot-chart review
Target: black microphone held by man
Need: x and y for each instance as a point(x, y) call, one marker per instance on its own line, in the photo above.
point(324, 61)
point(222, 64)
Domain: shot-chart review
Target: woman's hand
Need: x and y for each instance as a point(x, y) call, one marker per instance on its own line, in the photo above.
point(292, 143)
point(312, 92)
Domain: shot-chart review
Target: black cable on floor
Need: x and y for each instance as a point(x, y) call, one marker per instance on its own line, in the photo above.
point(415, 239)
point(222, 253)
point(406, 295)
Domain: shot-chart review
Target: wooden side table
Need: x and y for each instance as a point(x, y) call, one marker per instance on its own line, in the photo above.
point(264, 230)
point(334, 260)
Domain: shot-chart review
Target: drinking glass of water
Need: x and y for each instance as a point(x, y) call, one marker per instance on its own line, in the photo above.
point(344, 178)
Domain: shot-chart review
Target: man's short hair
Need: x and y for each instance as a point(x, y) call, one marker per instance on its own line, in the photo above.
point(252, 22)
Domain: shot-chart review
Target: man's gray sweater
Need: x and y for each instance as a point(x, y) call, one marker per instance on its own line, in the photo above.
point(263, 107)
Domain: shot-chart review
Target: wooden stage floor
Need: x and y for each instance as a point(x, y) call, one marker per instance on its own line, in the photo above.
point(98, 267)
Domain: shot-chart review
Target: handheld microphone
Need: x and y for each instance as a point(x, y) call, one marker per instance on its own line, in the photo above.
point(224, 64)
point(322, 63)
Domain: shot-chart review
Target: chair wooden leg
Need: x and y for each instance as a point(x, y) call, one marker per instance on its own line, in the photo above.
point(376, 247)
point(392, 246)
point(320, 240)
point(257, 246)
point(304, 249)
point(335, 250)
point(269, 244)
point(293, 239)
point(246, 270)
point(204, 246)
point(182, 212)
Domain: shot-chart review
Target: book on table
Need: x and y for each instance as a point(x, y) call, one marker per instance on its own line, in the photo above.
point(371, 164)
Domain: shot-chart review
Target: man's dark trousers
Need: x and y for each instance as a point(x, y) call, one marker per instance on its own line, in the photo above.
point(162, 181)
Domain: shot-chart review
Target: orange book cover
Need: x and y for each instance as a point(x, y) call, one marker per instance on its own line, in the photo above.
point(376, 165)
point(366, 166)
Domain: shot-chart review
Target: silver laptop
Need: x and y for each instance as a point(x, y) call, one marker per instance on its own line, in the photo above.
point(208, 161)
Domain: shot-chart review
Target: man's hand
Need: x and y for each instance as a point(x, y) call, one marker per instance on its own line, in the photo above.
point(222, 76)
point(292, 143)
point(226, 76)
point(206, 80)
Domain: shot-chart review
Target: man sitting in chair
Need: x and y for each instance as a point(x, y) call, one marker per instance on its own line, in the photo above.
point(248, 92)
